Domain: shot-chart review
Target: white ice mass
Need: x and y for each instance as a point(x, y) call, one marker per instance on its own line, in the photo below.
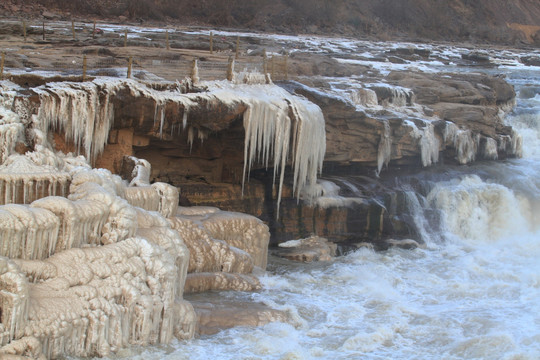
point(89, 263)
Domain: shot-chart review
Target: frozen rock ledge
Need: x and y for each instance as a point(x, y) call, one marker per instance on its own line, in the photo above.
point(89, 263)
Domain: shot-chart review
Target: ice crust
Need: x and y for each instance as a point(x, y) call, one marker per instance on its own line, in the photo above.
point(90, 274)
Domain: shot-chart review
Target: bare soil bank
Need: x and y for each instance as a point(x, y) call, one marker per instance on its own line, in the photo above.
point(492, 21)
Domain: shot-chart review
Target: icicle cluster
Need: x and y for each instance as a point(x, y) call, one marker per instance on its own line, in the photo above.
point(82, 110)
point(27, 233)
point(364, 97)
point(277, 124)
point(429, 146)
point(11, 128)
point(465, 143)
point(14, 299)
point(489, 150)
point(427, 141)
point(272, 119)
point(23, 181)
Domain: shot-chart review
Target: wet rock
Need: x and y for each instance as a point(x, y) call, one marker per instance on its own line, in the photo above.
point(214, 316)
point(531, 60)
point(11, 28)
point(407, 244)
point(310, 249)
point(476, 57)
point(49, 15)
point(220, 281)
point(101, 51)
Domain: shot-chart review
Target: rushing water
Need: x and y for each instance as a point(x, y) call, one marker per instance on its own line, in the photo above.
point(472, 293)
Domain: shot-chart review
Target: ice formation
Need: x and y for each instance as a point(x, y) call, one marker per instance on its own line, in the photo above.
point(427, 141)
point(91, 273)
point(489, 150)
point(160, 197)
point(384, 151)
point(391, 95)
point(89, 263)
point(22, 181)
point(429, 146)
point(11, 128)
point(242, 231)
point(85, 112)
point(326, 195)
point(28, 233)
point(364, 97)
point(463, 141)
point(82, 110)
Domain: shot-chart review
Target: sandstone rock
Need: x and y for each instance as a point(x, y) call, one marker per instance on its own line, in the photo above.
point(49, 15)
point(220, 281)
point(309, 249)
point(477, 57)
point(531, 60)
point(407, 244)
point(214, 316)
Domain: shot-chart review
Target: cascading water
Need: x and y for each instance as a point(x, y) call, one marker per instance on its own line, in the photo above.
point(472, 292)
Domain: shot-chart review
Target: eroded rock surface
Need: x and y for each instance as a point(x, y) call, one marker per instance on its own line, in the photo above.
point(309, 249)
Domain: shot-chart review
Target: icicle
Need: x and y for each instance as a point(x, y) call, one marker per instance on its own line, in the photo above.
point(202, 135)
point(184, 118)
point(161, 120)
point(489, 150)
point(466, 147)
point(190, 138)
point(385, 148)
point(429, 146)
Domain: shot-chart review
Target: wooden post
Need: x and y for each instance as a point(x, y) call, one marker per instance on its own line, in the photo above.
point(237, 47)
point(73, 29)
point(167, 40)
point(125, 38)
point(84, 68)
point(265, 63)
point(211, 43)
point(230, 69)
point(24, 30)
point(2, 66)
point(94, 31)
point(286, 68)
point(44, 31)
point(130, 62)
point(194, 72)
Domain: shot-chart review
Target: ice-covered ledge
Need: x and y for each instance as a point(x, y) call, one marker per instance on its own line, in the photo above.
point(86, 255)
point(280, 129)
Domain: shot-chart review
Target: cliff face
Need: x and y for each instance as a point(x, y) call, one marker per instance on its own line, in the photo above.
point(415, 119)
point(496, 21)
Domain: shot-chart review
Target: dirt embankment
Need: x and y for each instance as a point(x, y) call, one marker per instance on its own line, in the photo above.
point(493, 21)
